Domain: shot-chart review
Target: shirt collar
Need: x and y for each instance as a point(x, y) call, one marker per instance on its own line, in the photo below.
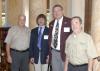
point(77, 35)
point(42, 26)
point(60, 19)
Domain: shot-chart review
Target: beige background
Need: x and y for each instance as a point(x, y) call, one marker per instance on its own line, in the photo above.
point(71, 8)
point(36, 7)
point(14, 8)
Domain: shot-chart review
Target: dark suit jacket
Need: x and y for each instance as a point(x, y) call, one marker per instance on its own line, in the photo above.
point(34, 50)
point(66, 23)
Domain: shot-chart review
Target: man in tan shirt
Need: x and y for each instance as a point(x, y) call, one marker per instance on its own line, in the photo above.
point(17, 45)
point(80, 50)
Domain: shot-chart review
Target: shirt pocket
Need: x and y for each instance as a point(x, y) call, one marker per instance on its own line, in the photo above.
point(83, 45)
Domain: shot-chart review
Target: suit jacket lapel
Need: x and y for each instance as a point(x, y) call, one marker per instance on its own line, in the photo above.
point(64, 23)
point(62, 28)
point(37, 32)
point(44, 31)
point(43, 36)
point(52, 25)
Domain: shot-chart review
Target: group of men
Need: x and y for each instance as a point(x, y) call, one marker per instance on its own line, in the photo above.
point(63, 45)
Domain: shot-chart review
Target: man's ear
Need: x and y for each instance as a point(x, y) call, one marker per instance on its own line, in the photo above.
point(81, 26)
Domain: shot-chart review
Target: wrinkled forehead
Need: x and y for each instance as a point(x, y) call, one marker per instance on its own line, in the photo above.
point(57, 8)
point(75, 21)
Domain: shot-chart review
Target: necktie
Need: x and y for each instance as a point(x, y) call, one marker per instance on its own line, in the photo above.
point(39, 38)
point(56, 35)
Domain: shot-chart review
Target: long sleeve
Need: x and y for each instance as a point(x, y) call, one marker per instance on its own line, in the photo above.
point(31, 46)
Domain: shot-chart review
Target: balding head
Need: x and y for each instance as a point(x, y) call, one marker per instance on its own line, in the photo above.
point(21, 20)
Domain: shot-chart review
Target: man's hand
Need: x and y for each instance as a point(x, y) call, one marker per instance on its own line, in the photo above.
point(9, 59)
point(66, 65)
point(32, 60)
point(47, 60)
point(90, 65)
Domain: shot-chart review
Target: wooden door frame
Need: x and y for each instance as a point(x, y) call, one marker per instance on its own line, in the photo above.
point(88, 16)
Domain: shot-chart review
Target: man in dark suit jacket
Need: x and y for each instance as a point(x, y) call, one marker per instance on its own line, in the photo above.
point(57, 41)
point(39, 45)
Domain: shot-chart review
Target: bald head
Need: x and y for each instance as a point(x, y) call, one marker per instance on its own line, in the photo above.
point(21, 20)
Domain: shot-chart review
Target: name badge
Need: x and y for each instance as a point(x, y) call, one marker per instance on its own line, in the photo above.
point(45, 36)
point(66, 29)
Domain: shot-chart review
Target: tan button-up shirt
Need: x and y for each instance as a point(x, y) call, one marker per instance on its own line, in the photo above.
point(79, 48)
point(18, 38)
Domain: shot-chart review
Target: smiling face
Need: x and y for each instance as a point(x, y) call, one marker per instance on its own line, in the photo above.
point(76, 25)
point(41, 21)
point(57, 12)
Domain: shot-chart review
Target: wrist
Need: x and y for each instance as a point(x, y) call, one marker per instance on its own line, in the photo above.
point(90, 70)
point(8, 55)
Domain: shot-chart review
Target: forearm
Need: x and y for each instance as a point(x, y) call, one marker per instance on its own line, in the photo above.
point(8, 50)
point(90, 65)
point(47, 60)
point(66, 65)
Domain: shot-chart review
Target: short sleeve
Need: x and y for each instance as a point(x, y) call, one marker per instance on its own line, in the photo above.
point(91, 50)
point(9, 37)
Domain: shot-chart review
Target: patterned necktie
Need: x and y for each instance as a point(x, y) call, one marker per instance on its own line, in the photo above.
point(56, 35)
point(39, 38)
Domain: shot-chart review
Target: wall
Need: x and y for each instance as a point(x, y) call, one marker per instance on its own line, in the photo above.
point(36, 7)
point(14, 8)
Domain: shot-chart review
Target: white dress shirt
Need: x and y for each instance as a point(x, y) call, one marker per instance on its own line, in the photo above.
point(53, 32)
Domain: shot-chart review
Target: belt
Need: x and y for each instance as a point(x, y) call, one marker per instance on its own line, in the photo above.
point(79, 65)
point(20, 50)
point(55, 50)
